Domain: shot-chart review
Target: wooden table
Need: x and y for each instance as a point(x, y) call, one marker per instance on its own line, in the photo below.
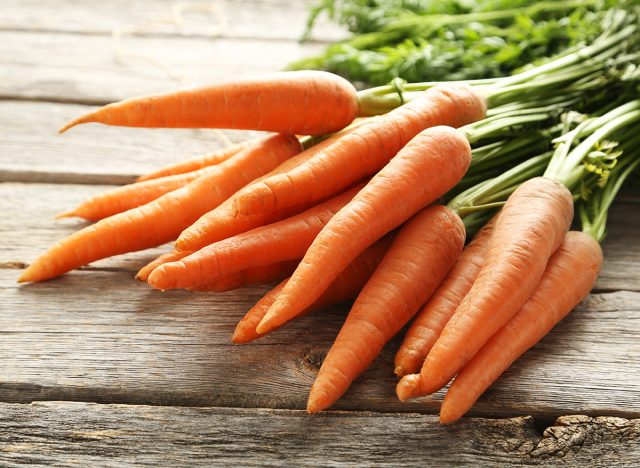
point(97, 368)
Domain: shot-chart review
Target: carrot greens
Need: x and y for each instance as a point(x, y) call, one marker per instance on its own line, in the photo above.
point(420, 40)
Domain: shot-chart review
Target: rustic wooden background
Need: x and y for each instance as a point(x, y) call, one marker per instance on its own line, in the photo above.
point(97, 368)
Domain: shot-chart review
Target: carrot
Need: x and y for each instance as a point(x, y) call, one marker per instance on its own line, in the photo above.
point(531, 226)
point(419, 257)
point(430, 165)
point(285, 240)
point(365, 150)
point(163, 219)
point(223, 222)
point(193, 164)
point(300, 102)
point(568, 278)
point(145, 271)
point(344, 288)
point(130, 196)
point(435, 314)
point(259, 275)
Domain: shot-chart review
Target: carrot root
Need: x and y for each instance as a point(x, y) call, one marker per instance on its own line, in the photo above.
point(568, 278)
point(295, 103)
point(423, 251)
point(434, 315)
point(531, 226)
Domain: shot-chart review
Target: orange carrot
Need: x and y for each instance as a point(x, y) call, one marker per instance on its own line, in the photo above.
point(130, 196)
point(365, 150)
point(285, 240)
point(163, 219)
point(531, 226)
point(300, 102)
point(193, 164)
point(427, 167)
point(223, 222)
point(145, 271)
point(344, 288)
point(568, 278)
point(419, 257)
point(258, 275)
point(434, 315)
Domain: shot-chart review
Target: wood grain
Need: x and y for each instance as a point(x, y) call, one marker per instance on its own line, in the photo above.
point(32, 151)
point(65, 68)
point(263, 19)
point(72, 434)
point(101, 336)
point(28, 228)
point(96, 335)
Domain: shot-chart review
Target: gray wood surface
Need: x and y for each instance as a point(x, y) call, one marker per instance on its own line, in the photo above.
point(83, 68)
point(249, 19)
point(102, 336)
point(97, 335)
point(80, 434)
point(32, 151)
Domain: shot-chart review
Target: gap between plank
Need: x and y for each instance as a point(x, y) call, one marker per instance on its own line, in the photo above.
point(32, 393)
point(44, 177)
point(168, 35)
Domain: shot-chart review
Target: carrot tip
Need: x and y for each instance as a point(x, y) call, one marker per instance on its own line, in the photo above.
point(82, 119)
point(447, 417)
point(25, 277)
point(313, 407)
point(269, 322)
point(155, 281)
point(66, 127)
point(399, 371)
point(66, 214)
point(239, 337)
point(318, 400)
point(407, 387)
point(265, 325)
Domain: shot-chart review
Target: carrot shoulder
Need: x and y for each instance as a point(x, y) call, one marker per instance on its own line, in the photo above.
point(300, 102)
point(531, 226)
point(285, 240)
point(344, 288)
point(193, 164)
point(163, 219)
point(427, 167)
point(365, 150)
point(568, 278)
point(434, 315)
point(419, 257)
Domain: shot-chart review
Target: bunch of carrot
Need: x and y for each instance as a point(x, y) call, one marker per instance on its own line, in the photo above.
point(355, 214)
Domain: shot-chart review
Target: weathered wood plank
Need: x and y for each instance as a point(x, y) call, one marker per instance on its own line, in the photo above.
point(30, 230)
point(62, 68)
point(101, 336)
point(72, 434)
point(32, 151)
point(265, 19)
point(28, 227)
